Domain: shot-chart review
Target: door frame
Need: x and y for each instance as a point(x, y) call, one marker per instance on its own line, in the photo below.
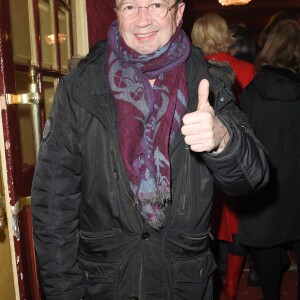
point(10, 162)
point(7, 86)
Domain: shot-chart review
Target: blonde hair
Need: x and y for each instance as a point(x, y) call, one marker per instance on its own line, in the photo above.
point(211, 33)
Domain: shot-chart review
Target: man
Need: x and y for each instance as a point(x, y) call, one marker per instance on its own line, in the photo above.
point(122, 191)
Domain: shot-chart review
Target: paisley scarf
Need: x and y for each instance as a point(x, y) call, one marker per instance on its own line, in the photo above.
point(148, 117)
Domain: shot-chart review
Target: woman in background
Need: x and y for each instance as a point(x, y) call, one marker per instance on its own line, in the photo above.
point(273, 21)
point(211, 33)
point(270, 218)
point(244, 46)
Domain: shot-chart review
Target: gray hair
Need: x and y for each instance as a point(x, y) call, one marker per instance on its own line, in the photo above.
point(177, 2)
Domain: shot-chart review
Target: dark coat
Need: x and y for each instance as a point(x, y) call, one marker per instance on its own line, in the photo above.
point(272, 104)
point(224, 217)
point(90, 240)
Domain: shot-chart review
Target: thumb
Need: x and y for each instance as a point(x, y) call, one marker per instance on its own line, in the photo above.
point(203, 91)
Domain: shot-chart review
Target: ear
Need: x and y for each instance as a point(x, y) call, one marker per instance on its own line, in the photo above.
point(116, 12)
point(179, 14)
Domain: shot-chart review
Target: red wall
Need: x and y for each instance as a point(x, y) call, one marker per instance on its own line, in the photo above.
point(100, 14)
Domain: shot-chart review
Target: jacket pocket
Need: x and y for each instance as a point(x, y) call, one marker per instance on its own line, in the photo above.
point(100, 278)
point(94, 245)
point(193, 277)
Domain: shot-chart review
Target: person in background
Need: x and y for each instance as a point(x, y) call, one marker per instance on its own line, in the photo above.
point(211, 33)
point(273, 21)
point(123, 188)
point(270, 218)
point(253, 279)
point(244, 45)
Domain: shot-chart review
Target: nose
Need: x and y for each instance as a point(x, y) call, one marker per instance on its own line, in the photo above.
point(143, 19)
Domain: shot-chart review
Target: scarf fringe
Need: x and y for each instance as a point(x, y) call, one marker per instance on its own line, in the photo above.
point(159, 221)
point(161, 198)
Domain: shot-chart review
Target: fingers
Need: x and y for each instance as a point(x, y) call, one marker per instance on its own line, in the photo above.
point(194, 123)
point(199, 126)
point(204, 139)
point(203, 92)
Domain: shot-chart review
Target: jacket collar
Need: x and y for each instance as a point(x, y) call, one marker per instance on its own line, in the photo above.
point(90, 88)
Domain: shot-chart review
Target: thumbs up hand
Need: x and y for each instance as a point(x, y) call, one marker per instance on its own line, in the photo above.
point(203, 131)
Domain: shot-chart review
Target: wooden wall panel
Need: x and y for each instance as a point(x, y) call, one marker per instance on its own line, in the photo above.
point(100, 15)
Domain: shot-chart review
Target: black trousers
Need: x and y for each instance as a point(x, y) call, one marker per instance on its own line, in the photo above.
point(268, 265)
point(236, 248)
point(296, 247)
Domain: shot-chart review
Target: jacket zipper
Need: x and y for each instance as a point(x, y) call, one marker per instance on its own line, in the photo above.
point(124, 185)
point(184, 175)
point(139, 216)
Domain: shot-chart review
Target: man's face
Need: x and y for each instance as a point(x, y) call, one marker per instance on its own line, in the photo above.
point(144, 34)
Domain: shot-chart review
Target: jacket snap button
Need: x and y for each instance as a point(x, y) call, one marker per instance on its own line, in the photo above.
point(116, 175)
point(222, 99)
point(145, 236)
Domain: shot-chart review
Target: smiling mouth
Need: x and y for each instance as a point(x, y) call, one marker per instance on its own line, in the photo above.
point(143, 35)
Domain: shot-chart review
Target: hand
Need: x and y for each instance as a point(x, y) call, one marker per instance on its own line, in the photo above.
point(203, 131)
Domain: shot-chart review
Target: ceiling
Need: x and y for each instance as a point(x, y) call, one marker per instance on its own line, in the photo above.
point(255, 14)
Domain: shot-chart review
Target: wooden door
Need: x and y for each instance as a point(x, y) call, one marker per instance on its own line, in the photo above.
point(35, 46)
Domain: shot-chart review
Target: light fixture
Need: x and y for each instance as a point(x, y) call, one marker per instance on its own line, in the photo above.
point(234, 2)
point(50, 38)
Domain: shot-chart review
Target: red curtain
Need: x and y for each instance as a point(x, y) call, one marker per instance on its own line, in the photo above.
point(100, 14)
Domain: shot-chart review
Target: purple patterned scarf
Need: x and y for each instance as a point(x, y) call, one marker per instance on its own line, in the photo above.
point(149, 117)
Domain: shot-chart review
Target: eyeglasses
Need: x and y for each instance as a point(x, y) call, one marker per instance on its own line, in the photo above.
point(155, 11)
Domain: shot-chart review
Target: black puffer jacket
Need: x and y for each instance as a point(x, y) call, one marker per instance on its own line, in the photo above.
point(272, 103)
point(90, 240)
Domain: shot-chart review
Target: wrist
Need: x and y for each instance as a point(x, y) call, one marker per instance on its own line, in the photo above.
point(223, 142)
